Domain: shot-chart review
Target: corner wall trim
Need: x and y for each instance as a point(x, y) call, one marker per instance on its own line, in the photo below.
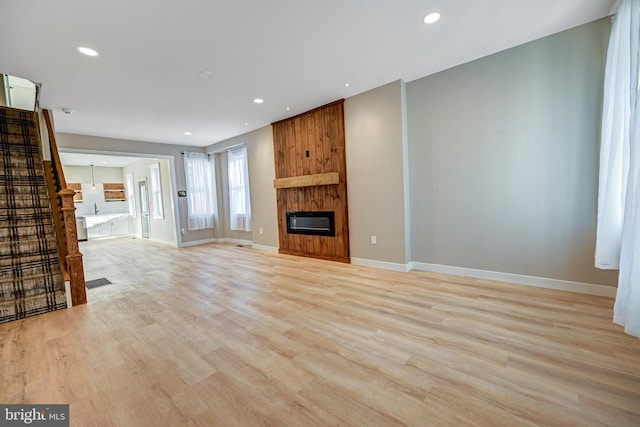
point(67, 293)
point(273, 249)
point(540, 282)
point(380, 264)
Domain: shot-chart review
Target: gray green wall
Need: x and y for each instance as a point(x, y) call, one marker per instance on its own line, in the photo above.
point(264, 211)
point(160, 229)
point(375, 174)
point(504, 159)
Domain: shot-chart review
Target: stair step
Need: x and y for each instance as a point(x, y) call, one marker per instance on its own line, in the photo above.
point(22, 186)
point(23, 217)
point(45, 259)
point(30, 285)
point(27, 247)
point(28, 270)
point(14, 144)
point(25, 201)
point(32, 305)
point(26, 230)
point(23, 164)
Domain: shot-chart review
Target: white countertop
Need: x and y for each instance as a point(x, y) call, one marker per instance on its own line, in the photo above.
point(92, 220)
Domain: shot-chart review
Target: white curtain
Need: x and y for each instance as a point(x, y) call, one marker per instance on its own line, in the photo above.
point(201, 195)
point(617, 237)
point(239, 200)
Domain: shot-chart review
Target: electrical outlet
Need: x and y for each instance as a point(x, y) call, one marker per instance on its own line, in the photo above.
point(260, 230)
point(373, 240)
point(182, 231)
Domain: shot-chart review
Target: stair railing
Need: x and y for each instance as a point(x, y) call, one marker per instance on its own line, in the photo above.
point(64, 219)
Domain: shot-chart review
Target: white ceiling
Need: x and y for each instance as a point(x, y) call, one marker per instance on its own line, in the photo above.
point(98, 160)
point(145, 85)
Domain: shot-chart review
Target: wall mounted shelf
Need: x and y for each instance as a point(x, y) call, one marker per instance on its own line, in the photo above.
point(77, 187)
point(314, 180)
point(114, 192)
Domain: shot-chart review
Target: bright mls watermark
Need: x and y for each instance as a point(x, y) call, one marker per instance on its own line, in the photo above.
point(34, 415)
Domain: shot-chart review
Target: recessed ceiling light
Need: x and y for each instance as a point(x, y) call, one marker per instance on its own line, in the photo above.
point(288, 108)
point(246, 124)
point(188, 133)
point(258, 100)
point(206, 74)
point(431, 18)
point(346, 85)
point(87, 51)
point(104, 163)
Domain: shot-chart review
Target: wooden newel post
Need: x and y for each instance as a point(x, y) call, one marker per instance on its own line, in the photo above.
point(74, 257)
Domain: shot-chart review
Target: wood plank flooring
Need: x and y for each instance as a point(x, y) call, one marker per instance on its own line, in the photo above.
point(230, 336)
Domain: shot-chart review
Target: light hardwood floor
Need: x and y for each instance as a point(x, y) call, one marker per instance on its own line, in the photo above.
point(224, 335)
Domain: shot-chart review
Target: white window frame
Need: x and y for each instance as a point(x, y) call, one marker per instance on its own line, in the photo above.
point(155, 179)
point(131, 194)
point(238, 183)
point(199, 169)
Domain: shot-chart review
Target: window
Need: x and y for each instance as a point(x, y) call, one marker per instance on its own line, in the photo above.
point(157, 210)
point(201, 195)
point(131, 201)
point(239, 200)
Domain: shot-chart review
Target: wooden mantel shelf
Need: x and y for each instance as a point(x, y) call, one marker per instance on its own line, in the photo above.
point(307, 180)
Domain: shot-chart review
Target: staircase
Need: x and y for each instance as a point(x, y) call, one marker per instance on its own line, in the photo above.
point(31, 280)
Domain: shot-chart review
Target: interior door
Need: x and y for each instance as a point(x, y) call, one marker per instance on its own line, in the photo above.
point(144, 208)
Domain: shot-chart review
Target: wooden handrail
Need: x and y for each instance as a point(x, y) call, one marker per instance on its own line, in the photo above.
point(53, 146)
point(65, 220)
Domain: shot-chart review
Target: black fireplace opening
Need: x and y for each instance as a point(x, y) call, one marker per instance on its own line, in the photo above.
point(314, 223)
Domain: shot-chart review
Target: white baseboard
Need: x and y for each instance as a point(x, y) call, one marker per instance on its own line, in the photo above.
point(164, 242)
point(273, 249)
point(198, 242)
point(235, 241)
point(540, 282)
point(219, 240)
point(67, 293)
point(380, 264)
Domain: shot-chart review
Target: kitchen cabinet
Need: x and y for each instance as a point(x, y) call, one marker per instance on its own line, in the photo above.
point(120, 226)
point(107, 225)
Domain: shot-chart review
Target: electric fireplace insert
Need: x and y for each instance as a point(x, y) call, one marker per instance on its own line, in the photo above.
point(314, 223)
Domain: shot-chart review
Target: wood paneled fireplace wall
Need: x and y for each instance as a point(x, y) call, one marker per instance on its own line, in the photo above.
point(311, 183)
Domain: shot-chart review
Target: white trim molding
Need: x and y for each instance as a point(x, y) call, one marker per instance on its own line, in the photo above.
point(219, 240)
point(380, 264)
point(235, 241)
point(163, 242)
point(198, 242)
point(273, 249)
point(67, 293)
point(540, 282)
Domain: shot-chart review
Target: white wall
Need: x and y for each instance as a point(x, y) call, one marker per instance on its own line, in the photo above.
point(100, 174)
point(95, 198)
point(161, 229)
